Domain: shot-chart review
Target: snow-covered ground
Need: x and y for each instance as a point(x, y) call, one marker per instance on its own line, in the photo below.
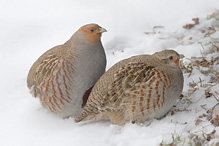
point(29, 28)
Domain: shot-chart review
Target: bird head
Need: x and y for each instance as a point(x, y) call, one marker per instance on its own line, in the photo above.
point(92, 32)
point(169, 57)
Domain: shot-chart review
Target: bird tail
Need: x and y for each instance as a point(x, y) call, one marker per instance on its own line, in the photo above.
point(81, 116)
point(86, 114)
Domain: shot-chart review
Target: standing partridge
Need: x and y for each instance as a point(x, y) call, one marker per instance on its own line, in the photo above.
point(62, 75)
point(138, 88)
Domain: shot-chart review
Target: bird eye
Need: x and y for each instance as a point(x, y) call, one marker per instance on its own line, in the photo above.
point(91, 30)
point(171, 57)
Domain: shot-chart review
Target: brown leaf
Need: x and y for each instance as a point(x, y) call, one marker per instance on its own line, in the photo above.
point(197, 121)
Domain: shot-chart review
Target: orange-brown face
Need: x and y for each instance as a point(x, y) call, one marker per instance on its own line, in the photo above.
point(169, 57)
point(175, 59)
point(92, 32)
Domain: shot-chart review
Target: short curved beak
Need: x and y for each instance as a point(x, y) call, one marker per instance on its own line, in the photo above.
point(102, 30)
point(181, 56)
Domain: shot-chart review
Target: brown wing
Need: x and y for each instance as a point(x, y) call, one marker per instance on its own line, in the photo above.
point(55, 52)
point(126, 80)
point(109, 91)
point(52, 82)
point(147, 98)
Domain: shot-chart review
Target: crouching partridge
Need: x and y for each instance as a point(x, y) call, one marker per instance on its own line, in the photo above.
point(62, 75)
point(138, 88)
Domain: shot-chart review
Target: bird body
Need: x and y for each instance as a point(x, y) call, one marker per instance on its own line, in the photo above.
point(138, 88)
point(61, 76)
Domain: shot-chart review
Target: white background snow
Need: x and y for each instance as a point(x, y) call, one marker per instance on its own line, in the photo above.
point(30, 27)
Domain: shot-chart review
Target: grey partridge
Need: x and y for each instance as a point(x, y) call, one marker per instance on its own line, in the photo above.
point(138, 88)
point(61, 76)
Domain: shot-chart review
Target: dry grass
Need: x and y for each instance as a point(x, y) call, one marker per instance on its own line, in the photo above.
point(208, 67)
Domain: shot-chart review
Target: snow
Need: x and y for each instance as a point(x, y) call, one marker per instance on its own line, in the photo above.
point(29, 28)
